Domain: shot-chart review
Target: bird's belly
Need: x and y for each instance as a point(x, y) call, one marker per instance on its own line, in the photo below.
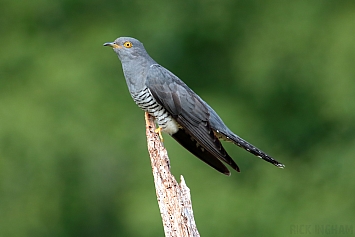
point(171, 126)
point(167, 123)
point(146, 101)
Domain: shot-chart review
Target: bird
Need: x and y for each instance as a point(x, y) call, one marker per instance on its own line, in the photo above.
point(177, 109)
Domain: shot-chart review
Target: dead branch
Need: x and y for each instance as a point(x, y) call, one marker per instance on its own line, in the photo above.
point(173, 199)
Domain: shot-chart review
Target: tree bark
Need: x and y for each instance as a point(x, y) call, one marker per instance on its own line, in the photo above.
point(174, 199)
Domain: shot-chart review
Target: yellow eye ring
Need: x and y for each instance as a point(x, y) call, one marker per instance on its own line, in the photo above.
point(127, 44)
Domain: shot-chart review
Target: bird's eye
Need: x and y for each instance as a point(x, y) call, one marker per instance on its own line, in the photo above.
point(127, 44)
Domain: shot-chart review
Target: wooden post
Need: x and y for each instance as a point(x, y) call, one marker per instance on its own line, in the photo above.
point(173, 199)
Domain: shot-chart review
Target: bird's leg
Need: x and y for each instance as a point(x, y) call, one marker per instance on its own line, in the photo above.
point(158, 131)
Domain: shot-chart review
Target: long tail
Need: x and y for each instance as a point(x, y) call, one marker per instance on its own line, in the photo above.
point(250, 148)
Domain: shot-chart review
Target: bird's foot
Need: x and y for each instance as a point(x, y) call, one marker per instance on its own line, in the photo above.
point(158, 131)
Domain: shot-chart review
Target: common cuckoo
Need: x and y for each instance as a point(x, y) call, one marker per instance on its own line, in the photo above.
point(178, 110)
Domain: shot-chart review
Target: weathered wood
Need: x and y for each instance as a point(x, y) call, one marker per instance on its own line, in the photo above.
point(173, 199)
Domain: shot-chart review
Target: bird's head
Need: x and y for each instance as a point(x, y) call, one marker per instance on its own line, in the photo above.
point(127, 48)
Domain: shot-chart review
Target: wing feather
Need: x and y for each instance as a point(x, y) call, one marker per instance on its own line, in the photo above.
point(187, 109)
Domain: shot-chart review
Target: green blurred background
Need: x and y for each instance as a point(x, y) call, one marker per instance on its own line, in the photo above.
point(73, 156)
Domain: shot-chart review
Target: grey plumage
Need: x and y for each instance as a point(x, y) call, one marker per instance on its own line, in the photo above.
point(177, 109)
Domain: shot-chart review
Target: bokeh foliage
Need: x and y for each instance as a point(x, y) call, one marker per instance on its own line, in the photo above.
point(73, 159)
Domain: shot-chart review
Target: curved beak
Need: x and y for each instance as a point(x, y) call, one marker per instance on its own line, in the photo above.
point(112, 45)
